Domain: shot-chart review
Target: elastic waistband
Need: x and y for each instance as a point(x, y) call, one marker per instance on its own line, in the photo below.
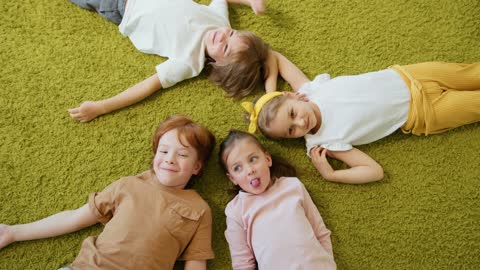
point(420, 112)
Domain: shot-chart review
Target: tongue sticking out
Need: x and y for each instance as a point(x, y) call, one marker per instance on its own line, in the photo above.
point(255, 183)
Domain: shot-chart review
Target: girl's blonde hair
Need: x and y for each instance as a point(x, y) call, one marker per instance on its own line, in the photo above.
point(246, 69)
point(268, 113)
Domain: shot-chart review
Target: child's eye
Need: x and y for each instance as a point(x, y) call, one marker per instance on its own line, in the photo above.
point(231, 33)
point(292, 114)
point(236, 168)
point(162, 151)
point(183, 155)
point(226, 47)
point(253, 159)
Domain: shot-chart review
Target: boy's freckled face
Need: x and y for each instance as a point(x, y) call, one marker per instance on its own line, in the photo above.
point(249, 167)
point(295, 118)
point(221, 43)
point(175, 163)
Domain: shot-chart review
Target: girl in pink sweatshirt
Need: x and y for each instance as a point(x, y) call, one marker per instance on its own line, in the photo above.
point(272, 223)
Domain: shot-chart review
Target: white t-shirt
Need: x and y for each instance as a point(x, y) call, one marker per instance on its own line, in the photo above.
point(357, 109)
point(173, 29)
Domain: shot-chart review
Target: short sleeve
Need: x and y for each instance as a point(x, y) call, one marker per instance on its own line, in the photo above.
point(200, 246)
point(103, 204)
point(220, 7)
point(173, 71)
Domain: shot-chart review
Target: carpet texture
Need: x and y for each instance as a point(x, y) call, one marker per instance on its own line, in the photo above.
point(425, 214)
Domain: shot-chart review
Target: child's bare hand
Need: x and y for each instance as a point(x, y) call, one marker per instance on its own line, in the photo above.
point(319, 159)
point(87, 111)
point(258, 6)
point(6, 235)
point(301, 96)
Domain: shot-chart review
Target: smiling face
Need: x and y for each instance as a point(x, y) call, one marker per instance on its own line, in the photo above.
point(221, 43)
point(175, 161)
point(248, 166)
point(294, 119)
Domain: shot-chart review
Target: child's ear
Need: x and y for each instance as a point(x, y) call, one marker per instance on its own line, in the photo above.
point(231, 179)
point(197, 167)
point(268, 157)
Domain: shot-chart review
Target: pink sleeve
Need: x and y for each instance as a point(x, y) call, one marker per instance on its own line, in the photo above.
point(313, 216)
point(242, 256)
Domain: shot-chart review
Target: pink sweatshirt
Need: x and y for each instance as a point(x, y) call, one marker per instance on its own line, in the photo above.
point(278, 229)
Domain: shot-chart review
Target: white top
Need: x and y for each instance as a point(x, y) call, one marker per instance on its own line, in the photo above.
point(357, 109)
point(279, 229)
point(173, 29)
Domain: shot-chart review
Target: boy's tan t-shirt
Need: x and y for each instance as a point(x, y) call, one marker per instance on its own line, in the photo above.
point(147, 226)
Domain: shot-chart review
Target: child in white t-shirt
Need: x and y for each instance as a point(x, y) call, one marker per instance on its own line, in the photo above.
point(192, 36)
point(425, 98)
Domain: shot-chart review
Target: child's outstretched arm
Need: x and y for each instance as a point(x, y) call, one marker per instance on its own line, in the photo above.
point(58, 224)
point(363, 168)
point(289, 71)
point(258, 6)
point(316, 221)
point(89, 110)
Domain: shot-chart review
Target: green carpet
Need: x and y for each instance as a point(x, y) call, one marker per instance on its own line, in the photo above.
point(425, 214)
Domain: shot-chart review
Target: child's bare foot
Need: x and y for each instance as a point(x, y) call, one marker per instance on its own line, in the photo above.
point(258, 6)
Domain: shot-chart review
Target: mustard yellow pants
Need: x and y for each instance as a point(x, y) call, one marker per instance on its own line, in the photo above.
point(443, 96)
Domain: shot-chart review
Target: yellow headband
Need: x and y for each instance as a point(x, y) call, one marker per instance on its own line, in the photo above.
point(254, 111)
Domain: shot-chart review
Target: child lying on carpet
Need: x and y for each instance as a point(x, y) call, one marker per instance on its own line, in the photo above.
point(334, 114)
point(192, 36)
point(272, 223)
point(150, 220)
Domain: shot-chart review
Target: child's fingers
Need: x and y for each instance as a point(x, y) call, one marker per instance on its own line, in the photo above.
point(77, 116)
point(301, 96)
point(318, 153)
point(74, 110)
point(314, 151)
point(324, 153)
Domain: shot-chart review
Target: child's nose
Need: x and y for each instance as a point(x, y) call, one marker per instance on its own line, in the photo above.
point(169, 159)
point(251, 170)
point(223, 36)
point(301, 122)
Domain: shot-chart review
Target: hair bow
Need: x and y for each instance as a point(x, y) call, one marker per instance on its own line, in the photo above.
point(254, 109)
